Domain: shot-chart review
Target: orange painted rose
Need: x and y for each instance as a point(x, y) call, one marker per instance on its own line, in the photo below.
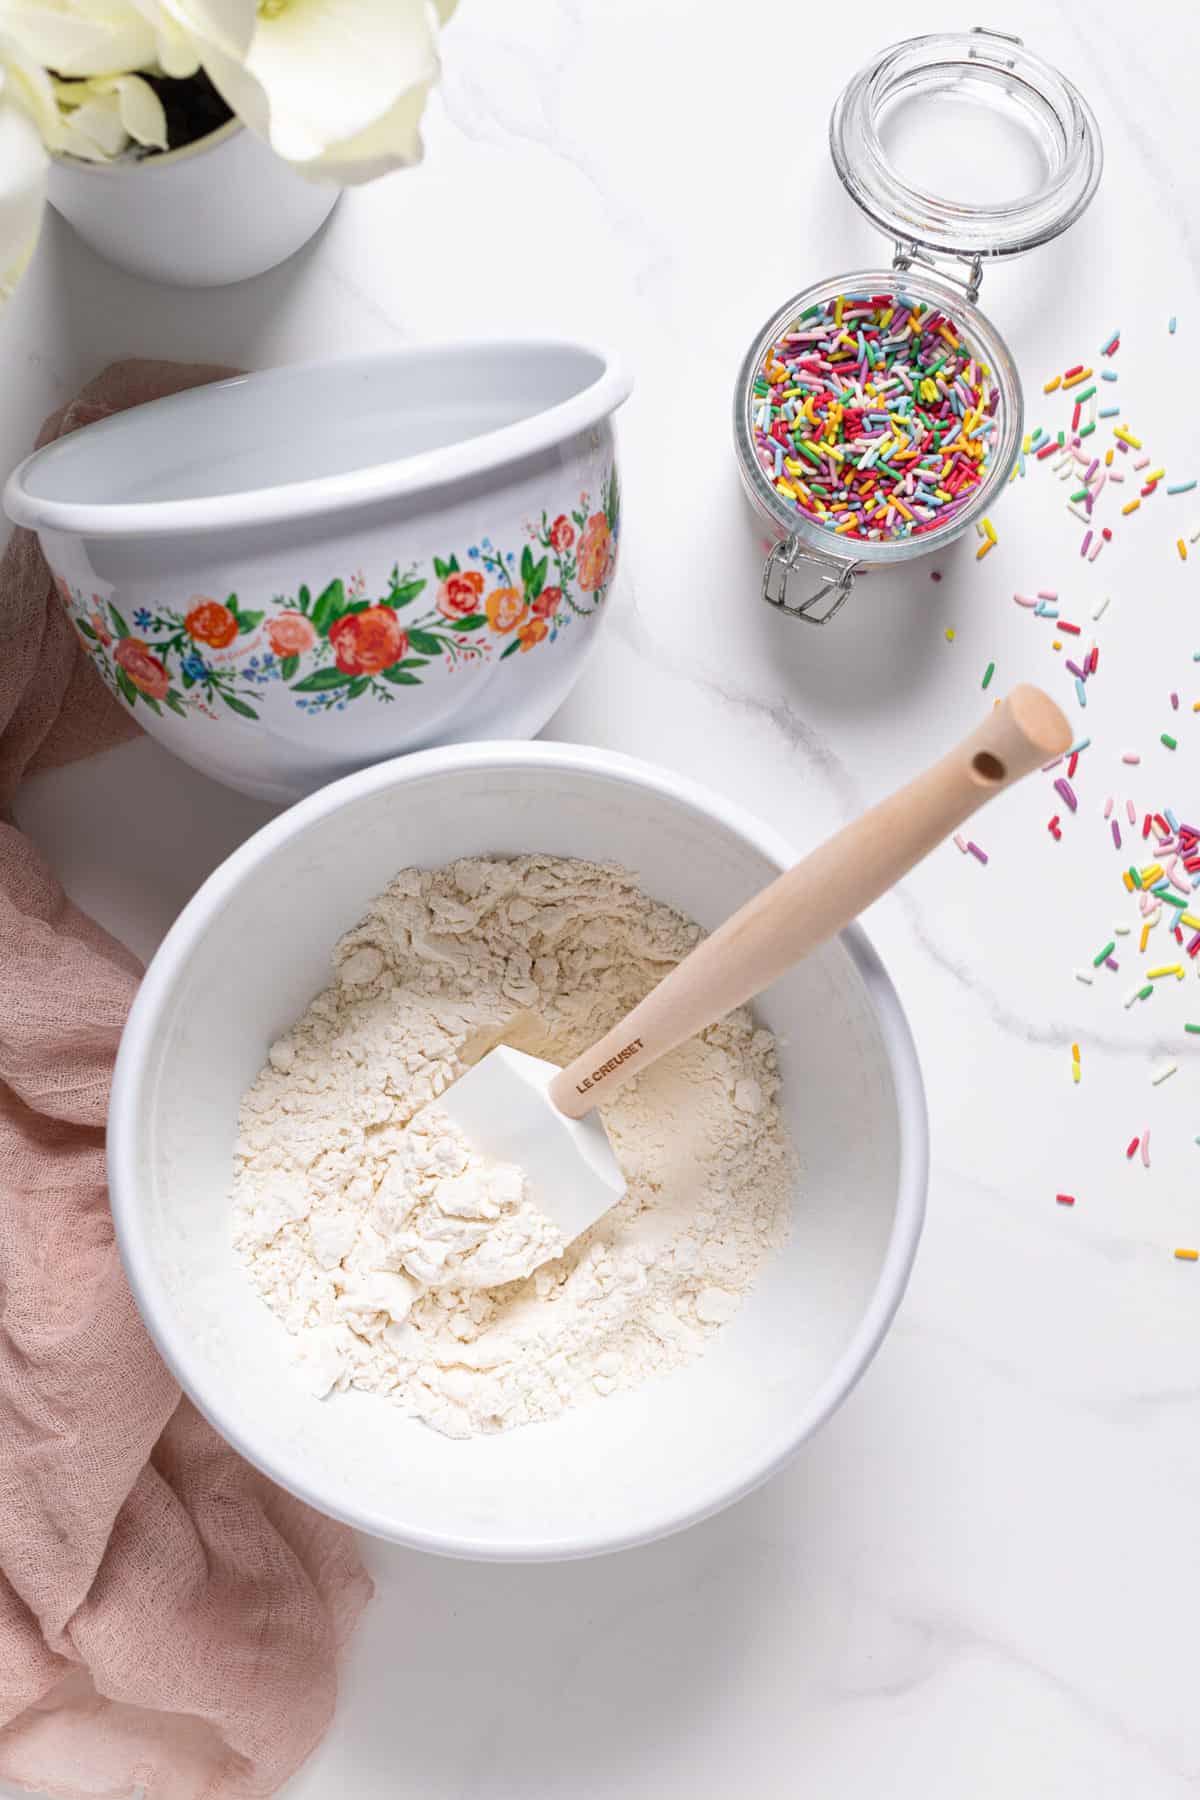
point(210, 623)
point(505, 609)
point(562, 533)
point(458, 596)
point(533, 633)
point(366, 643)
point(96, 621)
point(142, 667)
point(290, 634)
point(595, 551)
point(547, 602)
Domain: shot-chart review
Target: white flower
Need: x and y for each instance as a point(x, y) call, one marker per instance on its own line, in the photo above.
point(336, 87)
point(85, 37)
point(102, 114)
point(28, 117)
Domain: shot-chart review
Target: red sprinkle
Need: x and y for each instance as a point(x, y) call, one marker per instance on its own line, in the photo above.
point(1146, 826)
point(1162, 824)
point(1094, 659)
point(1062, 625)
point(1077, 370)
point(1076, 416)
point(1106, 534)
point(1065, 1199)
point(1073, 764)
point(1047, 450)
point(1052, 828)
point(1133, 1144)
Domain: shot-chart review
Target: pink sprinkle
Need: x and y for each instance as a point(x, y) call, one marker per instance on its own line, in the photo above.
point(1108, 806)
point(1131, 812)
point(1087, 543)
point(976, 852)
point(1175, 702)
point(1113, 476)
point(1095, 550)
point(1146, 1149)
point(1131, 756)
point(1046, 594)
point(1021, 600)
point(961, 841)
point(1116, 831)
point(1142, 462)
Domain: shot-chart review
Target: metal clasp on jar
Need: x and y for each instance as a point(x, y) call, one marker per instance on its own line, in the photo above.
point(792, 566)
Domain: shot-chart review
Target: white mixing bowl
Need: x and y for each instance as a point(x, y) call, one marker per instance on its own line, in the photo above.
point(242, 963)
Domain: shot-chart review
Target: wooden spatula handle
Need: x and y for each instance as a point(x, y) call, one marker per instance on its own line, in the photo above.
point(813, 901)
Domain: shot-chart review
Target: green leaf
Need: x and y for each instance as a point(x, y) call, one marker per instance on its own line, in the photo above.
point(152, 703)
point(249, 621)
point(187, 680)
point(452, 566)
point(515, 645)
point(527, 565)
point(424, 643)
point(412, 662)
point(471, 623)
point(237, 706)
point(357, 606)
point(87, 630)
point(321, 680)
point(126, 686)
point(175, 702)
point(330, 606)
point(122, 628)
point(305, 599)
point(358, 686)
point(400, 677)
point(440, 569)
point(289, 666)
point(536, 580)
point(405, 592)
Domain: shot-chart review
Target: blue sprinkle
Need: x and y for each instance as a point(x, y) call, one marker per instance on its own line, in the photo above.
point(1108, 412)
point(1108, 374)
point(1181, 487)
point(1171, 324)
point(1081, 745)
point(1169, 816)
point(1081, 691)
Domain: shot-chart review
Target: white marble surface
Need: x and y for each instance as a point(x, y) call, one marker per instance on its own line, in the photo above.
point(982, 1579)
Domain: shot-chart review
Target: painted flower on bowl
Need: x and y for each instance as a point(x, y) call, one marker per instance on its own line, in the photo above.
point(505, 608)
point(210, 623)
point(290, 634)
point(548, 602)
point(96, 621)
point(532, 633)
point(595, 549)
point(366, 643)
point(143, 668)
point(458, 596)
point(562, 534)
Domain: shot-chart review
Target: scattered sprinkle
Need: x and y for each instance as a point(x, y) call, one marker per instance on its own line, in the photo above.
point(1163, 1074)
point(1069, 1200)
point(988, 673)
point(1169, 741)
point(1185, 1255)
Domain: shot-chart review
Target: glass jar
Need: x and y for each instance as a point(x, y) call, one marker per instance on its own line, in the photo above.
point(1027, 125)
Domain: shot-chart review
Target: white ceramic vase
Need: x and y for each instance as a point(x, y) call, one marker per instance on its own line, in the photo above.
point(216, 211)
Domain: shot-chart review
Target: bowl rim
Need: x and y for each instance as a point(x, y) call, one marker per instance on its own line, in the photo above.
point(133, 1077)
point(289, 501)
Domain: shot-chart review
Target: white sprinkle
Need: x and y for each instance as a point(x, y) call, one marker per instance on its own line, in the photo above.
point(1121, 930)
point(1084, 975)
point(1131, 996)
point(1163, 1074)
point(1099, 610)
point(1146, 1149)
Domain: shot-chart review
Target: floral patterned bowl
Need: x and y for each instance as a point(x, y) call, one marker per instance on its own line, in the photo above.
point(295, 573)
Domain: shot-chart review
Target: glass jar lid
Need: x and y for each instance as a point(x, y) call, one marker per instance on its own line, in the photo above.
point(965, 144)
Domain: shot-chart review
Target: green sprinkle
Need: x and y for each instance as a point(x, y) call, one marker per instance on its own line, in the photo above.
point(988, 673)
point(1104, 954)
point(1087, 431)
point(1169, 741)
point(811, 455)
point(1194, 1029)
point(1086, 395)
point(1060, 440)
point(1146, 991)
point(1134, 876)
point(1172, 899)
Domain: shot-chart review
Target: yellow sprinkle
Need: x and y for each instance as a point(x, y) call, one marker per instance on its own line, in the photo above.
point(1074, 381)
point(1156, 476)
point(949, 634)
point(1128, 880)
point(1025, 443)
point(837, 311)
point(1132, 506)
point(1167, 969)
point(1074, 1052)
point(1075, 1073)
point(1145, 928)
point(983, 549)
point(990, 530)
point(1188, 1255)
point(785, 487)
point(1182, 549)
point(1057, 645)
point(1108, 456)
point(1151, 873)
point(1127, 437)
point(1192, 924)
point(1051, 385)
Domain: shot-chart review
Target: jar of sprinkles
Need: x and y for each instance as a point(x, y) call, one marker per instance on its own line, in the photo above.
point(878, 414)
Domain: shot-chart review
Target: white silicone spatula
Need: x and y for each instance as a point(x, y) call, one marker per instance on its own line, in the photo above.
point(519, 1109)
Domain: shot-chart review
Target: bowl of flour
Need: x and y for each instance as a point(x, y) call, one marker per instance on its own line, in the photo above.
point(381, 1320)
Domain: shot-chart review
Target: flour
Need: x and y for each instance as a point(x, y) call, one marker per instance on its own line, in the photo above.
point(406, 1265)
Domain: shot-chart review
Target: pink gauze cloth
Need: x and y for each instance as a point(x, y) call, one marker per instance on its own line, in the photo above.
point(168, 1617)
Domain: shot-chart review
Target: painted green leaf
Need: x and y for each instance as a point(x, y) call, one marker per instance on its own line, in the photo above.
point(330, 606)
point(413, 662)
point(289, 667)
point(424, 643)
point(152, 703)
point(321, 680)
point(305, 599)
point(440, 569)
point(238, 706)
point(526, 565)
point(126, 686)
point(175, 702)
point(515, 645)
point(249, 621)
point(357, 606)
point(406, 592)
point(358, 686)
point(536, 580)
point(471, 623)
point(401, 678)
point(452, 566)
point(187, 680)
point(87, 630)
point(122, 628)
